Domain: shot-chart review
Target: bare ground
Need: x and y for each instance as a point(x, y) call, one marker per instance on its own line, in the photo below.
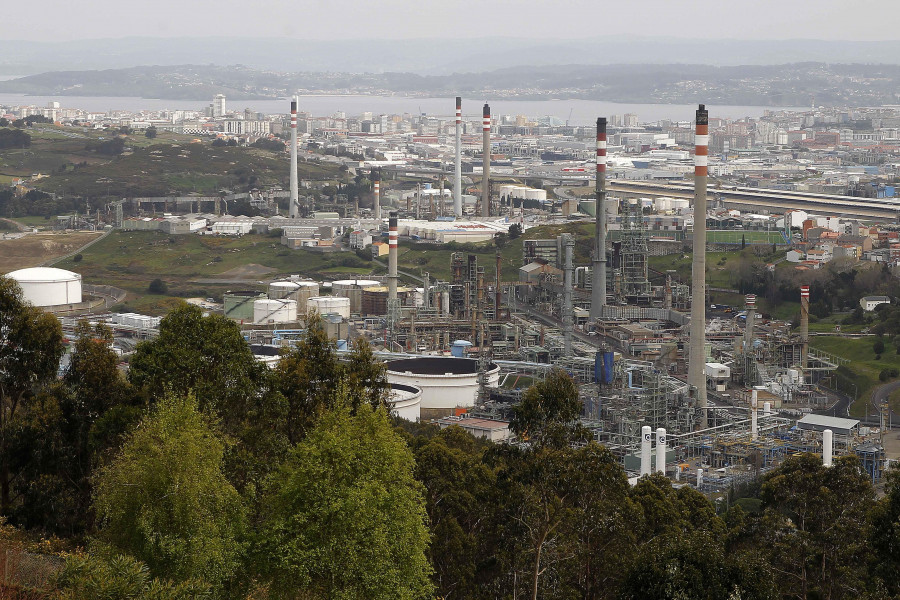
point(33, 249)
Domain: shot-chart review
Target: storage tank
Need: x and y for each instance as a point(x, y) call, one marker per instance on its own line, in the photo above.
point(46, 286)
point(282, 289)
point(680, 204)
point(446, 382)
point(352, 289)
point(239, 305)
point(274, 311)
point(301, 291)
point(405, 401)
point(325, 305)
point(373, 300)
point(458, 349)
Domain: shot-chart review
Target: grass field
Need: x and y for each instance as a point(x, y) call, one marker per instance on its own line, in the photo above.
point(751, 236)
point(863, 368)
point(33, 249)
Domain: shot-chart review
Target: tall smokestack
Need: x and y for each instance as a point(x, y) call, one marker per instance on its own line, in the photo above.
point(486, 163)
point(393, 306)
point(295, 187)
point(661, 450)
point(754, 415)
point(598, 273)
point(457, 175)
point(804, 327)
point(376, 189)
point(827, 447)
point(568, 311)
point(696, 367)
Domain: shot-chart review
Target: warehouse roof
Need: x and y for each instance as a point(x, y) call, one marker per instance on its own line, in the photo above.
point(823, 422)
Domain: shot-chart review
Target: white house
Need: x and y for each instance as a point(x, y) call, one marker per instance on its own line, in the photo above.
point(868, 303)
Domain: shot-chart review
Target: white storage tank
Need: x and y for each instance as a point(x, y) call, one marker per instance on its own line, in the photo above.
point(352, 289)
point(405, 401)
point(46, 286)
point(446, 382)
point(274, 311)
point(325, 305)
point(282, 289)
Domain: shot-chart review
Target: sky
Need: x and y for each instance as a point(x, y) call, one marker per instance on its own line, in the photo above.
point(65, 20)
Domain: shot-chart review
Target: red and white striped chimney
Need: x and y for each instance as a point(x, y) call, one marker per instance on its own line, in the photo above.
point(293, 209)
point(392, 259)
point(486, 162)
point(598, 272)
point(697, 345)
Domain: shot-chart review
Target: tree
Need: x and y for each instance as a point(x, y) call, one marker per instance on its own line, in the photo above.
point(151, 132)
point(66, 433)
point(884, 534)
point(345, 517)
point(515, 230)
point(308, 377)
point(814, 526)
point(30, 350)
point(878, 346)
point(119, 577)
point(549, 411)
point(366, 376)
point(165, 499)
point(743, 241)
point(158, 286)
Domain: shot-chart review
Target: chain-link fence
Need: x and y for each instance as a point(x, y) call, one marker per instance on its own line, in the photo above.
point(20, 570)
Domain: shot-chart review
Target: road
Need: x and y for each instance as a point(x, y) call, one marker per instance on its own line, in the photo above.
point(882, 393)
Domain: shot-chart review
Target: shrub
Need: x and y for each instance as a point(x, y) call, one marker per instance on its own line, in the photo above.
point(158, 286)
point(77, 258)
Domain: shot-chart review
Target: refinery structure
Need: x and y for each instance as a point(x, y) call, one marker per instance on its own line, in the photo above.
point(709, 399)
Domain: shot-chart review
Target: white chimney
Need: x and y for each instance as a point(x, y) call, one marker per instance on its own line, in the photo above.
point(827, 447)
point(661, 450)
point(646, 445)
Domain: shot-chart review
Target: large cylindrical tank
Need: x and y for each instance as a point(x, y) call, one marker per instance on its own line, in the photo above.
point(46, 286)
point(282, 289)
point(274, 311)
point(326, 305)
point(373, 300)
point(458, 349)
point(405, 401)
point(239, 305)
point(446, 382)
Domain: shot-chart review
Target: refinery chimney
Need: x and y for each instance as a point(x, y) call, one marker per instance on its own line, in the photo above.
point(568, 309)
point(749, 324)
point(295, 188)
point(598, 273)
point(457, 174)
point(804, 328)
point(393, 306)
point(376, 190)
point(697, 357)
point(486, 163)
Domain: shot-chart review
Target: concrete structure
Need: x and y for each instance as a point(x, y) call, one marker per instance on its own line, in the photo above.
point(46, 286)
point(446, 382)
point(697, 343)
point(487, 429)
point(405, 401)
point(868, 303)
point(326, 305)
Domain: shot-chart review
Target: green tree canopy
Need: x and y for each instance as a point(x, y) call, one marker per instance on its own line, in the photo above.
point(549, 411)
point(119, 577)
point(165, 499)
point(345, 517)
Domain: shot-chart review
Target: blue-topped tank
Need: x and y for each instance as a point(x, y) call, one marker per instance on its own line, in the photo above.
point(458, 349)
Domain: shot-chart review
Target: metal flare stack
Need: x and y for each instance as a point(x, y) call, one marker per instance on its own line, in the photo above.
point(697, 364)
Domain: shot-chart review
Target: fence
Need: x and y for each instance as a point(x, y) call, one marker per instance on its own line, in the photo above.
point(27, 571)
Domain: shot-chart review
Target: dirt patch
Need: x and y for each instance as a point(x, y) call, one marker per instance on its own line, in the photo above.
point(33, 249)
point(251, 271)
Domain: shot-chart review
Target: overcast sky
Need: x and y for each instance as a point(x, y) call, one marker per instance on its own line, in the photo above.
point(58, 20)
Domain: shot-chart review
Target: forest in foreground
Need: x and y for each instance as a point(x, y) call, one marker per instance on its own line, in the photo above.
point(203, 474)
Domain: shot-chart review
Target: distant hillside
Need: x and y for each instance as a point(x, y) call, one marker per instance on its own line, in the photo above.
point(798, 84)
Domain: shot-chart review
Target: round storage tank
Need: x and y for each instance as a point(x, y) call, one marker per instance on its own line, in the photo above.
point(305, 291)
point(446, 382)
point(326, 305)
point(239, 305)
point(405, 401)
point(352, 289)
point(282, 289)
point(274, 311)
point(46, 286)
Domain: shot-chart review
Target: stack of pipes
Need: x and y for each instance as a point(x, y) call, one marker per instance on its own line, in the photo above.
point(697, 364)
point(457, 176)
point(376, 190)
point(295, 188)
point(598, 271)
point(486, 163)
point(804, 327)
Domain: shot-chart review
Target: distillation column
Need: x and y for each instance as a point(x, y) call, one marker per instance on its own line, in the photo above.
point(486, 163)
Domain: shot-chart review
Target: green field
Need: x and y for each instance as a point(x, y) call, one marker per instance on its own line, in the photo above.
point(863, 368)
point(750, 236)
